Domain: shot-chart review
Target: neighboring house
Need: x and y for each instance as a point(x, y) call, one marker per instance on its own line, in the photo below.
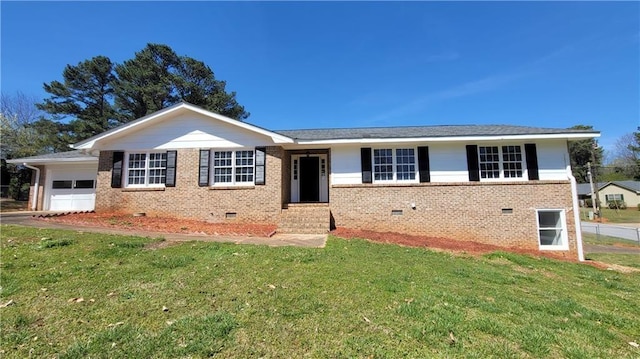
point(625, 191)
point(504, 185)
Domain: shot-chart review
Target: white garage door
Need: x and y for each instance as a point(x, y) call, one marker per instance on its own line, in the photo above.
point(72, 189)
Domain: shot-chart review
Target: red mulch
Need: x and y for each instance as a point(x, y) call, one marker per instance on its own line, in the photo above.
point(164, 224)
point(189, 226)
point(474, 248)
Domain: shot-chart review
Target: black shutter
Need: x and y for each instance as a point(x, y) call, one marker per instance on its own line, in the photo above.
point(261, 161)
point(423, 164)
point(532, 161)
point(472, 163)
point(365, 163)
point(116, 169)
point(171, 169)
point(203, 170)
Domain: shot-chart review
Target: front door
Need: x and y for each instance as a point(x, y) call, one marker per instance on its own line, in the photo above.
point(309, 181)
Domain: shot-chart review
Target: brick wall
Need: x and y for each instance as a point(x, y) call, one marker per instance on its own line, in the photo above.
point(466, 211)
point(188, 200)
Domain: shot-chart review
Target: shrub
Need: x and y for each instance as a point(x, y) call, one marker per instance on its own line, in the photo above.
point(617, 205)
point(589, 203)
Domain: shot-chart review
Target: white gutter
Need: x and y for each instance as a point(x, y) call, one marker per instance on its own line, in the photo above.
point(34, 204)
point(576, 213)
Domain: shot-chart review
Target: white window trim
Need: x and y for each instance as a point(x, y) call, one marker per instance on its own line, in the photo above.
point(563, 221)
point(233, 182)
point(502, 178)
point(394, 165)
point(146, 184)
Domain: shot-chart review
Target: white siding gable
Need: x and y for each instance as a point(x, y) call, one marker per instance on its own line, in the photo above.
point(187, 131)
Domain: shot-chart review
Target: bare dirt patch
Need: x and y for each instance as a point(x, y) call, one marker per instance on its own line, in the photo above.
point(164, 224)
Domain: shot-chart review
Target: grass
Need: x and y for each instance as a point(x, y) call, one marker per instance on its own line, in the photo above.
point(629, 260)
point(629, 215)
point(591, 238)
point(350, 299)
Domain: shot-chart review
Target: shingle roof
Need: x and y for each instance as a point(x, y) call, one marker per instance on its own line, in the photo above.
point(585, 188)
point(630, 185)
point(75, 155)
point(424, 131)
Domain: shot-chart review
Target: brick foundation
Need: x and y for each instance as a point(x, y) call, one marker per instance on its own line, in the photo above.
point(463, 211)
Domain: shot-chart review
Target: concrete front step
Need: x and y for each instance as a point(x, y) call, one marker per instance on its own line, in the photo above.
point(306, 218)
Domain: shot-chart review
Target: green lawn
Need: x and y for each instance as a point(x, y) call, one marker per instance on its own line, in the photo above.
point(591, 238)
point(629, 260)
point(629, 215)
point(350, 299)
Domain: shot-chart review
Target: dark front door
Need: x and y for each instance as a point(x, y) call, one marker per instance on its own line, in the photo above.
point(309, 179)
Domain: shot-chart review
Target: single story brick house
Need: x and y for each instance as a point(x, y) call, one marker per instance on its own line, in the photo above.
point(620, 191)
point(503, 185)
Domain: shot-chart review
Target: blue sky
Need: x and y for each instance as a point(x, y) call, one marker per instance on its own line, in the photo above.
point(353, 64)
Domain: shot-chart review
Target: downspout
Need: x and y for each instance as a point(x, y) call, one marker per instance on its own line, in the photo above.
point(576, 213)
point(34, 205)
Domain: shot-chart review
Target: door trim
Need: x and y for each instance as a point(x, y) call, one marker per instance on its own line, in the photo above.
point(323, 173)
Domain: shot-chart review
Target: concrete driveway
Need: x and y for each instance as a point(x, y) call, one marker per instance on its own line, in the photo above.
point(625, 231)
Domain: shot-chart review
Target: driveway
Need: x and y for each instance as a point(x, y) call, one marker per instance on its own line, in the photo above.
point(624, 231)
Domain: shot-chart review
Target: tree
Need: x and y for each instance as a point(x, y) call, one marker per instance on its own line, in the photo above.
point(85, 95)
point(145, 83)
point(581, 152)
point(25, 132)
point(157, 78)
point(98, 94)
point(629, 153)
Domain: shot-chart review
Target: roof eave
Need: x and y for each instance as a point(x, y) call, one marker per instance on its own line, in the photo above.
point(45, 161)
point(567, 136)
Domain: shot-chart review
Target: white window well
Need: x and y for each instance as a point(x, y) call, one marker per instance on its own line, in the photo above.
point(552, 229)
point(146, 169)
point(394, 165)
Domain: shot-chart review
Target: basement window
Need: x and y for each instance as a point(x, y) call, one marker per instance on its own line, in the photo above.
point(552, 229)
point(396, 212)
point(230, 215)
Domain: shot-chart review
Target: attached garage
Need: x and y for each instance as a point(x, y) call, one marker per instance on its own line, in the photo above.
point(71, 188)
point(64, 181)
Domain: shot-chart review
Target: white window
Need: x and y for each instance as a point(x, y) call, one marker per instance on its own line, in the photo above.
point(552, 232)
point(383, 165)
point(394, 167)
point(618, 197)
point(233, 167)
point(223, 167)
point(500, 162)
point(146, 169)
